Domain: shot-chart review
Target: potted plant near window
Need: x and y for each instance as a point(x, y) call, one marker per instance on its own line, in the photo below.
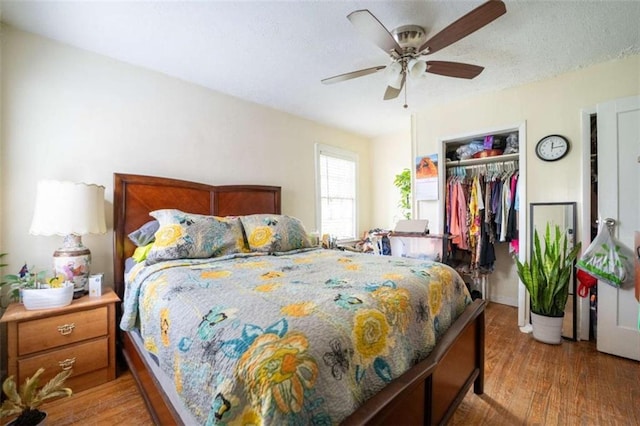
point(547, 276)
point(25, 402)
point(403, 182)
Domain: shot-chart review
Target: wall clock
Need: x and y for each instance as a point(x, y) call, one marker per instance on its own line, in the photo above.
point(552, 148)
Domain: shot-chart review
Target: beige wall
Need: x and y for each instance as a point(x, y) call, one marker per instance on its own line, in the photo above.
point(549, 106)
point(389, 155)
point(73, 115)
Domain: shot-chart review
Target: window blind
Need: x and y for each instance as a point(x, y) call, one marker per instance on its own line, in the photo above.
point(337, 195)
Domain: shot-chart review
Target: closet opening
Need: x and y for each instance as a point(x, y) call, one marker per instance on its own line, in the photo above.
point(481, 211)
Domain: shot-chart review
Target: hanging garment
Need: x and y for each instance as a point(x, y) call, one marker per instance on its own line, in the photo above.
point(514, 246)
point(496, 202)
point(447, 206)
point(512, 231)
point(506, 205)
point(487, 256)
point(454, 218)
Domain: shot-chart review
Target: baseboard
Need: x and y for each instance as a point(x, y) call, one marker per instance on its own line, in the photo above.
point(510, 301)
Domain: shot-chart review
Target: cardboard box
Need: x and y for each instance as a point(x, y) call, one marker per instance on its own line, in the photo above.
point(95, 285)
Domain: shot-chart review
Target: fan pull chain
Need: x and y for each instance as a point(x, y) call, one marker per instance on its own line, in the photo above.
point(405, 96)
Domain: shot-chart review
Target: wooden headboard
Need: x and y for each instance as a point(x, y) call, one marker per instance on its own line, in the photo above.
point(134, 196)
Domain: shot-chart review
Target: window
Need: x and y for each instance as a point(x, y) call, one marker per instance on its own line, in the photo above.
point(336, 172)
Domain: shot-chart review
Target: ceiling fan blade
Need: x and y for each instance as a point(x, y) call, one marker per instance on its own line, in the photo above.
point(472, 21)
point(352, 74)
point(454, 69)
point(392, 92)
point(371, 28)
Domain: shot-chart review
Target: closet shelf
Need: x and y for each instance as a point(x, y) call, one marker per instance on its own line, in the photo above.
point(485, 160)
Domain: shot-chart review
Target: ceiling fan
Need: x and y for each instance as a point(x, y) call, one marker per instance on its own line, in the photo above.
point(406, 45)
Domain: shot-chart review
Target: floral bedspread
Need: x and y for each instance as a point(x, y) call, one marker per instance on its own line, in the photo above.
point(300, 338)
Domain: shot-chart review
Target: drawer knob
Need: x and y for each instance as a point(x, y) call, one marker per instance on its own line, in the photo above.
point(67, 364)
point(66, 328)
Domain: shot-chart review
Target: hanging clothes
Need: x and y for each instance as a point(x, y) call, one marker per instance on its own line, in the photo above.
point(481, 207)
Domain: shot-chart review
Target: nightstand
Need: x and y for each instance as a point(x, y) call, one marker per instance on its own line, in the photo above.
point(80, 336)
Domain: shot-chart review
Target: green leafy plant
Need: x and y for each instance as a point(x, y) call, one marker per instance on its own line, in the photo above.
point(29, 397)
point(2, 284)
point(546, 276)
point(23, 279)
point(403, 182)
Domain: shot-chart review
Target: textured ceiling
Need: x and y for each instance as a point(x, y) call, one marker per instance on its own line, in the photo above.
point(275, 53)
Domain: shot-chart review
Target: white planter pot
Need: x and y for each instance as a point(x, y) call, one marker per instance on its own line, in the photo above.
point(547, 329)
point(47, 298)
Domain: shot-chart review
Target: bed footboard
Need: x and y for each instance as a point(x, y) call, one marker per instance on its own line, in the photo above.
point(431, 391)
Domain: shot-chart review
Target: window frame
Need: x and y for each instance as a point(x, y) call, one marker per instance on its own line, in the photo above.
point(340, 153)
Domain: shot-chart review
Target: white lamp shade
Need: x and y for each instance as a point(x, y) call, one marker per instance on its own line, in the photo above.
point(417, 68)
point(65, 208)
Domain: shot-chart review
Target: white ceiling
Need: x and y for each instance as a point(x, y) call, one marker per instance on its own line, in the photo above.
point(275, 53)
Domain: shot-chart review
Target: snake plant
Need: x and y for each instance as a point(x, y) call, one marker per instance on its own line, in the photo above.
point(548, 273)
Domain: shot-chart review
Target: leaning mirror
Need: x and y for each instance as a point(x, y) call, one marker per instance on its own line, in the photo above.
point(564, 215)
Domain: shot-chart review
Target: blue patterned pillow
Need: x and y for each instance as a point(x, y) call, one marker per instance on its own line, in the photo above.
point(271, 233)
point(192, 236)
point(145, 234)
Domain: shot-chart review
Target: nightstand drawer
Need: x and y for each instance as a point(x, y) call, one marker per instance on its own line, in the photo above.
point(52, 332)
point(82, 358)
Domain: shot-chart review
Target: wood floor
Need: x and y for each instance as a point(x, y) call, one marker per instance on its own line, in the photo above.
point(527, 383)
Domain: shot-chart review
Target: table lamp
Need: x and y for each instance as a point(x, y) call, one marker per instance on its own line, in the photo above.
point(70, 210)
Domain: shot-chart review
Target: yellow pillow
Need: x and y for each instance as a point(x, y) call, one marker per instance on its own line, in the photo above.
point(140, 254)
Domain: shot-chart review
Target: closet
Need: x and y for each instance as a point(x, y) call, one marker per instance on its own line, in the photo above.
point(483, 208)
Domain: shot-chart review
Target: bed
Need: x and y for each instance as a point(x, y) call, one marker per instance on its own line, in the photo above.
point(428, 392)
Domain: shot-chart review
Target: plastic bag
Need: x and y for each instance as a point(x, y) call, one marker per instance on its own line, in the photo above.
point(512, 144)
point(607, 259)
point(466, 151)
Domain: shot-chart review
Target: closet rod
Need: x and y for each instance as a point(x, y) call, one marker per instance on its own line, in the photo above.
point(509, 165)
point(471, 161)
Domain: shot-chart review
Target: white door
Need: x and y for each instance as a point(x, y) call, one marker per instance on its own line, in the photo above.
point(619, 199)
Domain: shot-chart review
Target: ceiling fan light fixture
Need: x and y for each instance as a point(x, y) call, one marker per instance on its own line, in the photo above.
point(396, 83)
point(417, 68)
point(394, 74)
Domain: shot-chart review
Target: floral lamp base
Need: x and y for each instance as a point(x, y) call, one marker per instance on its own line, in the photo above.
point(73, 261)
